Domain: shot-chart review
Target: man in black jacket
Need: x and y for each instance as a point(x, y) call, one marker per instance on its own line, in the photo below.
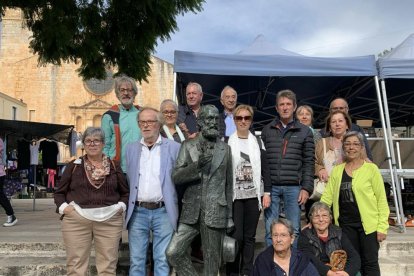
point(290, 152)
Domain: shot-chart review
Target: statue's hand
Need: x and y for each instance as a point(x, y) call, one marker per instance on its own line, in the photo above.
point(229, 226)
point(204, 161)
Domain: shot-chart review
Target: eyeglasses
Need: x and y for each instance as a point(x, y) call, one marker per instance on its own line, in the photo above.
point(318, 217)
point(95, 142)
point(125, 90)
point(355, 145)
point(283, 235)
point(148, 123)
point(169, 112)
point(241, 118)
point(341, 108)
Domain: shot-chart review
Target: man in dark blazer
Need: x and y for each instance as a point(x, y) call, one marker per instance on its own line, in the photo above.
point(204, 167)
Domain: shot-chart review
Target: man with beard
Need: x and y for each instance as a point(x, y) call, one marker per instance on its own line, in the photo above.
point(119, 123)
point(204, 167)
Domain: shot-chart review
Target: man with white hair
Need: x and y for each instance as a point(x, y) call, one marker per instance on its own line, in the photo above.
point(228, 99)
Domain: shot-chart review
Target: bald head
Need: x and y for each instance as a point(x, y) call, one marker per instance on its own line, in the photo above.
point(339, 104)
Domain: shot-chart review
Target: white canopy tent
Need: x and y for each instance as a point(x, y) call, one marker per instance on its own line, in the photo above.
point(398, 68)
point(257, 77)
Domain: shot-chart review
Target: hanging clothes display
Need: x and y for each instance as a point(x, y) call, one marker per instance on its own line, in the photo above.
point(51, 179)
point(23, 154)
point(50, 152)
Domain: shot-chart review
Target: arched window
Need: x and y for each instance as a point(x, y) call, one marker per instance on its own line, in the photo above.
point(97, 120)
point(79, 124)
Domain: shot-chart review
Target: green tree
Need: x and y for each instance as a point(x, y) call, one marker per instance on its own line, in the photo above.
point(100, 33)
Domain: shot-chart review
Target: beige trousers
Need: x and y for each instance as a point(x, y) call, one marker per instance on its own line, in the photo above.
point(78, 234)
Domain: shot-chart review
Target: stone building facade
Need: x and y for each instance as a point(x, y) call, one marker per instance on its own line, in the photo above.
point(56, 94)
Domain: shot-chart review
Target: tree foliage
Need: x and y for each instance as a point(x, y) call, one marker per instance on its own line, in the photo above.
point(99, 33)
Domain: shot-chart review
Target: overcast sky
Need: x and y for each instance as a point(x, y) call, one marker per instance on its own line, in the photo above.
point(308, 27)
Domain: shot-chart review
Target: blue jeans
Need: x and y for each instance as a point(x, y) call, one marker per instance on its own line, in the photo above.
point(142, 222)
point(290, 195)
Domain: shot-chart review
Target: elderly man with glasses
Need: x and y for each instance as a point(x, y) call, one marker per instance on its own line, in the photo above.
point(119, 122)
point(342, 104)
point(153, 200)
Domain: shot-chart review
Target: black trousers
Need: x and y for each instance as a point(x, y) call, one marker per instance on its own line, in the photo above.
point(246, 217)
point(367, 247)
point(4, 201)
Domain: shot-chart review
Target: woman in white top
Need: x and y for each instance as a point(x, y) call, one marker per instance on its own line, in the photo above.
point(249, 168)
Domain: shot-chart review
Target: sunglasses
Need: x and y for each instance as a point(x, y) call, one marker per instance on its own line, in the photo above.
point(241, 118)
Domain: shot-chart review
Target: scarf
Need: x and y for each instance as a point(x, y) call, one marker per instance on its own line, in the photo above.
point(97, 176)
point(169, 136)
point(254, 154)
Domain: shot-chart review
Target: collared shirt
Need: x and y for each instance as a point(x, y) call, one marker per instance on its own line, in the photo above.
point(149, 188)
point(186, 115)
point(130, 132)
point(284, 127)
point(230, 125)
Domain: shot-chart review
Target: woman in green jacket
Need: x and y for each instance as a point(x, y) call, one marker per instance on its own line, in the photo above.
point(356, 191)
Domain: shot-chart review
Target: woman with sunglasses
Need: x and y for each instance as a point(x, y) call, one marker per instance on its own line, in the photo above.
point(356, 193)
point(249, 168)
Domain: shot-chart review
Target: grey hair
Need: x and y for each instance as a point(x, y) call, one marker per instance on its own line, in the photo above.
point(284, 222)
point(227, 87)
point(168, 101)
point(319, 206)
point(307, 107)
point(158, 114)
point(125, 79)
point(197, 85)
point(93, 131)
point(360, 137)
point(357, 134)
point(287, 93)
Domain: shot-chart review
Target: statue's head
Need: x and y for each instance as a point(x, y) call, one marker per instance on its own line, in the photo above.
point(207, 120)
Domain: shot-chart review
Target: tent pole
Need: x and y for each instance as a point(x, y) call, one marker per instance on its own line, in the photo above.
point(34, 186)
point(390, 154)
point(175, 87)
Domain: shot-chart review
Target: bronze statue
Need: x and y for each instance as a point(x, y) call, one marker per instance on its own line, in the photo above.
point(204, 167)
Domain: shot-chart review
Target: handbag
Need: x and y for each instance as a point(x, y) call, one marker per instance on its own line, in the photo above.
point(337, 260)
point(318, 189)
point(318, 184)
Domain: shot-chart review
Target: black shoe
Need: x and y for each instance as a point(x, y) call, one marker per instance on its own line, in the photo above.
point(11, 220)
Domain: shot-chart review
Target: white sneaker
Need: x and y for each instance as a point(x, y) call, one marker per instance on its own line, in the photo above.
point(11, 220)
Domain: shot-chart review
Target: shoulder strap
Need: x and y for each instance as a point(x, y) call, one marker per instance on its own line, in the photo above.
point(259, 141)
point(324, 145)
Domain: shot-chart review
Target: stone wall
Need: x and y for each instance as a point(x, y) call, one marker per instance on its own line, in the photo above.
point(50, 91)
